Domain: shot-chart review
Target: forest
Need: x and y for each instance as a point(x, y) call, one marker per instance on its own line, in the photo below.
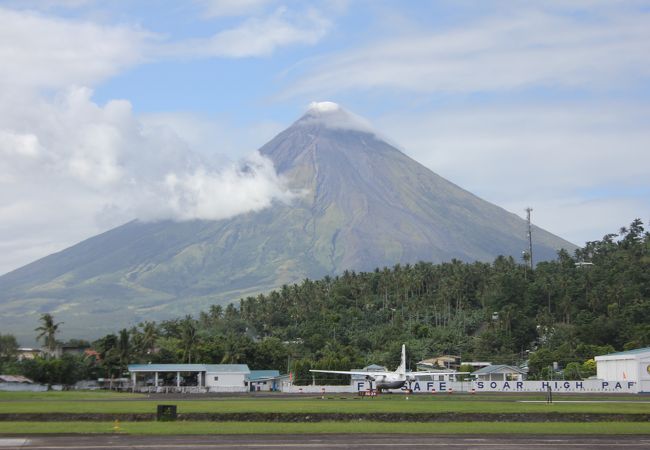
point(564, 311)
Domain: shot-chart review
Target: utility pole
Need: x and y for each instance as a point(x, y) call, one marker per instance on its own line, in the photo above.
point(530, 238)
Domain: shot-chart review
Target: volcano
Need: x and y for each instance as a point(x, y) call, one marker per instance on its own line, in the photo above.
point(359, 204)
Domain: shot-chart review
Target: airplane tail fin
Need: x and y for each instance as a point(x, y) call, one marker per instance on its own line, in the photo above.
point(402, 367)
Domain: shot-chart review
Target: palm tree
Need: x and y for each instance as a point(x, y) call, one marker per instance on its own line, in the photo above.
point(188, 337)
point(124, 348)
point(48, 330)
point(149, 337)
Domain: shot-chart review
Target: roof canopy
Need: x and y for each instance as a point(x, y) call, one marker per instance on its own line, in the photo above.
point(210, 368)
point(629, 354)
point(498, 368)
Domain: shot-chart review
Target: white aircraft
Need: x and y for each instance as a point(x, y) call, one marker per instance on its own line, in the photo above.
point(390, 380)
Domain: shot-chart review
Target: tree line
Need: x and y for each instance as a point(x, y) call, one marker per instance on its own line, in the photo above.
point(564, 311)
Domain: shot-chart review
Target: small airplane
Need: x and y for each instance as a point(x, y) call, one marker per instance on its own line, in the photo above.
point(390, 380)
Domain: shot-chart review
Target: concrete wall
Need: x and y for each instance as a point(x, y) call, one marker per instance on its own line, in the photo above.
point(444, 387)
point(224, 380)
point(229, 389)
point(22, 387)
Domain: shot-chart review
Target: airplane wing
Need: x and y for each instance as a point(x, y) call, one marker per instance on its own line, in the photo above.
point(436, 373)
point(372, 374)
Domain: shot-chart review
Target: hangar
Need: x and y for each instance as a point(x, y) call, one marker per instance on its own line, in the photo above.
point(208, 377)
point(630, 366)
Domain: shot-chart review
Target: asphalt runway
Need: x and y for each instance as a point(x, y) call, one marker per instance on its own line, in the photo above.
point(337, 441)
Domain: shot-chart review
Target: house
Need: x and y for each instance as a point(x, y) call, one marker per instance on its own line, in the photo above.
point(264, 380)
point(28, 353)
point(500, 372)
point(628, 366)
point(449, 362)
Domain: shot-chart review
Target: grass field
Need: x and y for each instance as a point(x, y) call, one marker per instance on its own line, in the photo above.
point(103, 402)
point(21, 428)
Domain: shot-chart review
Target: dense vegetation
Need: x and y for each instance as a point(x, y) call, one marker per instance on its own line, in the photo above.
point(563, 311)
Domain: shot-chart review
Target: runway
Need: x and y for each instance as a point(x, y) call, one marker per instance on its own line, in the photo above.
point(337, 441)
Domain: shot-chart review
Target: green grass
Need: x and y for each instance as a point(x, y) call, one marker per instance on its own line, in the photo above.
point(75, 402)
point(325, 427)
point(67, 395)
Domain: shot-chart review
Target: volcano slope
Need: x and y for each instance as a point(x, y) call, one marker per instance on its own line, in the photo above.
point(359, 203)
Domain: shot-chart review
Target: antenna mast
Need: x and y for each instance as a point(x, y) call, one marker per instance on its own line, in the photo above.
point(530, 237)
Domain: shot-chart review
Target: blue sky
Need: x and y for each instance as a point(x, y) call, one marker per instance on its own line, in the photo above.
point(122, 109)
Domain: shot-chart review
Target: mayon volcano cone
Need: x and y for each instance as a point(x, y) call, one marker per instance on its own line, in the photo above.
point(358, 204)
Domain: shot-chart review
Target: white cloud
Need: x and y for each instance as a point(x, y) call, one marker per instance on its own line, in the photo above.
point(84, 168)
point(16, 144)
point(41, 51)
point(334, 116)
point(229, 192)
point(254, 37)
point(515, 50)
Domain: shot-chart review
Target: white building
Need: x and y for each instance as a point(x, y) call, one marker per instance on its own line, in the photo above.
point(630, 366)
point(208, 377)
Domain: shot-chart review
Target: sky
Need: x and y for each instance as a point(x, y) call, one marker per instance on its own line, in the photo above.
point(111, 111)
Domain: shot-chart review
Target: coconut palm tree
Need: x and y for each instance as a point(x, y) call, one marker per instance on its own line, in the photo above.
point(48, 330)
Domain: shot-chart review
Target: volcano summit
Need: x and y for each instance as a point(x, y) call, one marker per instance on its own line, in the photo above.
point(359, 204)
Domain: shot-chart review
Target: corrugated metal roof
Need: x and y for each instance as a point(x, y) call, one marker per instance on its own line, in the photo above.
point(213, 368)
point(262, 374)
point(14, 379)
point(636, 351)
point(496, 368)
point(166, 367)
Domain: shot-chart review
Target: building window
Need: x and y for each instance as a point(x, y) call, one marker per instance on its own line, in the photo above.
point(216, 378)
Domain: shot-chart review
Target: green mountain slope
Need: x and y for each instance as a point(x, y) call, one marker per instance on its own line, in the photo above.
point(362, 204)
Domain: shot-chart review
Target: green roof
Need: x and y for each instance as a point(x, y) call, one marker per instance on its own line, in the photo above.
point(636, 351)
point(166, 367)
point(262, 375)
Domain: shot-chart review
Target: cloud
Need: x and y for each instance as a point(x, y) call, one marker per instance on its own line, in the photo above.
point(514, 50)
point(334, 116)
point(83, 168)
point(254, 37)
point(46, 52)
point(217, 195)
point(42, 51)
